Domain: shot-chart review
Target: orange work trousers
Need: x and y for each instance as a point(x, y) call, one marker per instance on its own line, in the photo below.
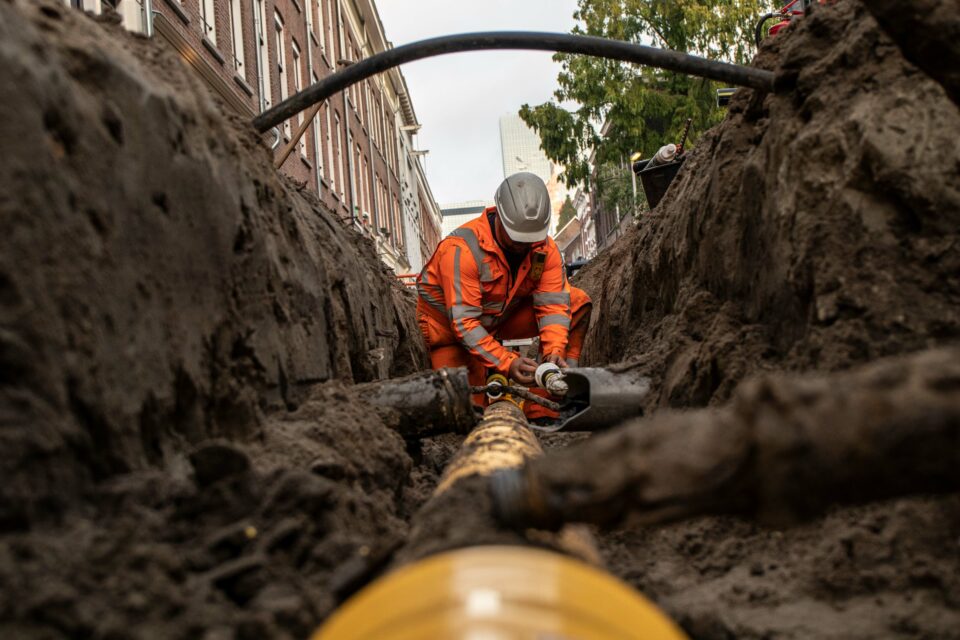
point(520, 324)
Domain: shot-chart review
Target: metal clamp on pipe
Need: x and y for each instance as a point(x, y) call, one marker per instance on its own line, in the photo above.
point(496, 384)
point(549, 376)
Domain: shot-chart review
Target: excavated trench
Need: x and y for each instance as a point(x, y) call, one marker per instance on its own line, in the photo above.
point(184, 453)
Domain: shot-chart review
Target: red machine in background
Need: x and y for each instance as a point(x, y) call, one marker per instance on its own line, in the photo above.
point(788, 13)
point(784, 17)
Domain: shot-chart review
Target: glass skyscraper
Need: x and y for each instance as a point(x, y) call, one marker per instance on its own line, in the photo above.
point(520, 148)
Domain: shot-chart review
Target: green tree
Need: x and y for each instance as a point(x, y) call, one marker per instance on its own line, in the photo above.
point(567, 213)
point(640, 108)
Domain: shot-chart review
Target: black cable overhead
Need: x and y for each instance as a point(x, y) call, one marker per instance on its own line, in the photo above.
point(560, 42)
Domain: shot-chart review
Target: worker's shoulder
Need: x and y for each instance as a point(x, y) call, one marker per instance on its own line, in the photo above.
point(462, 241)
point(470, 234)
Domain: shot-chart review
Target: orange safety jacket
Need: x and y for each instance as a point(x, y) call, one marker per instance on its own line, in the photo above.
point(467, 289)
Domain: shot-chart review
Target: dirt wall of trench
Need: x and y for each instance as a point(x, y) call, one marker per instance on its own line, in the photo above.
point(160, 283)
point(816, 228)
point(168, 305)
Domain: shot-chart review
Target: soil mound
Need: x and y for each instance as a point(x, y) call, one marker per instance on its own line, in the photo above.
point(816, 228)
point(183, 456)
point(160, 284)
point(168, 305)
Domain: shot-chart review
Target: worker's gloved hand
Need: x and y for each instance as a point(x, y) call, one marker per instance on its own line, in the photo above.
point(557, 360)
point(522, 370)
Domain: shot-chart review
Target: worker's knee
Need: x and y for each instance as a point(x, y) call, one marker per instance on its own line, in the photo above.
point(579, 300)
point(449, 356)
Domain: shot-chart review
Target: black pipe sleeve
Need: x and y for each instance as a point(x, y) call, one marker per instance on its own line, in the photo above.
point(561, 42)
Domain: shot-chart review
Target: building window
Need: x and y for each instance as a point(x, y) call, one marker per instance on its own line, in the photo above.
point(331, 20)
point(360, 192)
point(343, 49)
point(396, 214)
point(354, 91)
point(317, 149)
point(340, 172)
point(266, 90)
point(297, 86)
point(315, 22)
point(85, 5)
point(365, 107)
point(328, 144)
point(365, 181)
point(368, 187)
point(381, 213)
point(378, 117)
point(236, 31)
point(208, 20)
point(383, 130)
point(281, 64)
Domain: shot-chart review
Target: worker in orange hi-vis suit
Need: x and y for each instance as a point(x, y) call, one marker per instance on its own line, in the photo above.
point(499, 277)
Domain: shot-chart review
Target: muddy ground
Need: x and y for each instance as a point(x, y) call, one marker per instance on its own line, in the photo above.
point(182, 453)
point(815, 229)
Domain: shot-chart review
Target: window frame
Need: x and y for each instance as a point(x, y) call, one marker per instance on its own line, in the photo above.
point(236, 32)
point(279, 27)
point(208, 9)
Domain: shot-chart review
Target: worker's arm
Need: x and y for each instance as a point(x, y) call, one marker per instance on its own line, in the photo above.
point(551, 302)
point(460, 279)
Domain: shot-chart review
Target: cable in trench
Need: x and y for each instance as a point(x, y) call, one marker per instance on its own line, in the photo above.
point(732, 74)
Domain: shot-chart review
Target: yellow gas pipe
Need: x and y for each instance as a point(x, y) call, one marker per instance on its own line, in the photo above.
point(497, 592)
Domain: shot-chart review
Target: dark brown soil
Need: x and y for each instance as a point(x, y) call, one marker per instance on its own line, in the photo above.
point(160, 284)
point(182, 453)
point(168, 305)
point(814, 229)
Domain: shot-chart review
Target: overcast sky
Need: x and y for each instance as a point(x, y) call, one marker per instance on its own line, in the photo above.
point(459, 98)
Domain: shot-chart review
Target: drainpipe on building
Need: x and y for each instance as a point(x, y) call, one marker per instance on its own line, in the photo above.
point(316, 148)
point(258, 35)
point(147, 8)
point(350, 167)
point(386, 160)
point(372, 178)
point(346, 122)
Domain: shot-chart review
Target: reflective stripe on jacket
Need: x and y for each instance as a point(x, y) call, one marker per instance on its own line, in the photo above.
point(467, 286)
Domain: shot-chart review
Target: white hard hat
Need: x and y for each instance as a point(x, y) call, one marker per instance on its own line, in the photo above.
point(524, 207)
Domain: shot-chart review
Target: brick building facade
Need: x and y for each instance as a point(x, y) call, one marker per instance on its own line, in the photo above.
point(358, 154)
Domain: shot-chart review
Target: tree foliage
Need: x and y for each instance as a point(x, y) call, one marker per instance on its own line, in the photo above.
point(567, 213)
point(640, 108)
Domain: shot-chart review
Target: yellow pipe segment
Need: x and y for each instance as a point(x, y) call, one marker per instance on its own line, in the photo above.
point(499, 593)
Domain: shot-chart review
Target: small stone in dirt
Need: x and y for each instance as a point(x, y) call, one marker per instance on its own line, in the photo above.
point(216, 461)
point(329, 467)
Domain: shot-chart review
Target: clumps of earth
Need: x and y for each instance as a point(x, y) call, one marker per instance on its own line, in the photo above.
point(184, 454)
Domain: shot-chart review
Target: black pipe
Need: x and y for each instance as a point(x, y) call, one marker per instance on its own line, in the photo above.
point(562, 42)
point(424, 404)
